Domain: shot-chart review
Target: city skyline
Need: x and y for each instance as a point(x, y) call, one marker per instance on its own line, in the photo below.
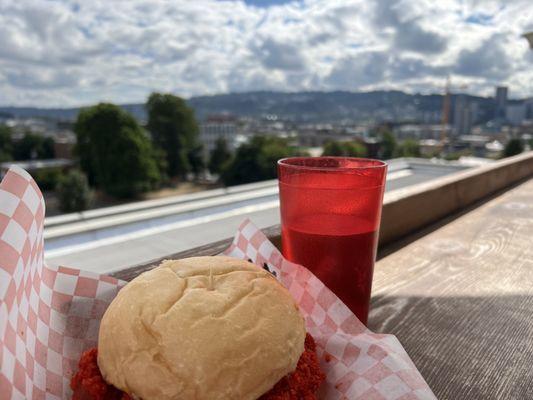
point(67, 54)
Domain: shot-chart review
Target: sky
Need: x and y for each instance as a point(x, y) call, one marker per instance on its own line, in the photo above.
point(66, 53)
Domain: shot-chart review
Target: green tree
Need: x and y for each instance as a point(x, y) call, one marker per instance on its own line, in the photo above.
point(333, 148)
point(457, 155)
point(114, 151)
point(73, 192)
point(344, 149)
point(256, 160)
point(33, 146)
point(219, 156)
point(47, 149)
point(196, 160)
point(388, 145)
point(408, 148)
point(174, 129)
point(513, 147)
point(48, 178)
point(6, 144)
point(26, 148)
point(160, 158)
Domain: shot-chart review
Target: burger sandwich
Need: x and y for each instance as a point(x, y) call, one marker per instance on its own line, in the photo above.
point(201, 328)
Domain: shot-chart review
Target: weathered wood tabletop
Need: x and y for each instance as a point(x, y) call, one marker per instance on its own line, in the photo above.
point(460, 300)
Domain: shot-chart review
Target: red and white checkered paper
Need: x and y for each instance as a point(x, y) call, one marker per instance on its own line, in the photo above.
point(48, 316)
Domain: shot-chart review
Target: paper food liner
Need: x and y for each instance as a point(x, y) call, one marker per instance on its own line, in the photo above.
point(49, 316)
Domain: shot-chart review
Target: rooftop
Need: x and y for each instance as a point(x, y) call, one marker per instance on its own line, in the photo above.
point(32, 165)
point(113, 238)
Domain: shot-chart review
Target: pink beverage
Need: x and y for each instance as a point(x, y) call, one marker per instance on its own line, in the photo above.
point(330, 214)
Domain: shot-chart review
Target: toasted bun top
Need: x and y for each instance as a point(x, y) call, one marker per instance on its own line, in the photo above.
point(201, 328)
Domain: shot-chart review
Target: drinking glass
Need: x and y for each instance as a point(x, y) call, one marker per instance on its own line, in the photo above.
point(330, 215)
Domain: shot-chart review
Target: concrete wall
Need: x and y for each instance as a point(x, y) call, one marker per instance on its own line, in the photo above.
point(407, 210)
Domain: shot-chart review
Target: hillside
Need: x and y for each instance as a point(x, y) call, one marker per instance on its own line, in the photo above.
point(298, 107)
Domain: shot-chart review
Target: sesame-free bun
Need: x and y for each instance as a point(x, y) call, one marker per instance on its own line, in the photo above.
point(201, 328)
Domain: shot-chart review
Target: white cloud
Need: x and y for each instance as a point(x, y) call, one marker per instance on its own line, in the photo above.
point(63, 53)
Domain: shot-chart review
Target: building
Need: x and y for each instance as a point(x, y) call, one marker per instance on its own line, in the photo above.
point(516, 113)
point(419, 131)
point(221, 127)
point(430, 147)
point(501, 101)
point(494, 149)
point(317, 135)
point(33, 166)
point(462, 116)
point(528, 103)
point(475, 144)
point(64, 143)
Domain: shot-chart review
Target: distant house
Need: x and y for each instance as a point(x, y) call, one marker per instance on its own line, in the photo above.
point(217, 127)
point(33, 166)
point(64, 142)
point(313, 135)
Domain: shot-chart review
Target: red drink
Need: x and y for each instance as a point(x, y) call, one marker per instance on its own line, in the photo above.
point(330, 213)
point(352, 283)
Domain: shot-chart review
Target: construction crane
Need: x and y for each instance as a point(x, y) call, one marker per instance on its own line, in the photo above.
point(446, 105)
point(529, 37)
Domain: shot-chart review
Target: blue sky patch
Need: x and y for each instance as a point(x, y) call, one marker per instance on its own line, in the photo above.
point(479, 19)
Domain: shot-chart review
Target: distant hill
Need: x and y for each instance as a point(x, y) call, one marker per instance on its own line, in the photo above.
point(298, 107)
point(63, 114)
point(30, 112)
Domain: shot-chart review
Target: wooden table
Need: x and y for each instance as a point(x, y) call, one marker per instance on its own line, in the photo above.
point(460, 299)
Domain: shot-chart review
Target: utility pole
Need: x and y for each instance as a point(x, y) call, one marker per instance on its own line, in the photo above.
point(446, 108)
point(445, 112)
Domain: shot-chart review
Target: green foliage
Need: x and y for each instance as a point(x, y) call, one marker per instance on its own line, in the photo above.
point(333, 148)
point(47, 179)
point(174, 129)
point(33, 146)
point(452, 156)
point(47, 149)
point(256, 160)
point(432, 154)
point(115, 152)
point(160, 158)
point(6, 144)
point(344, 149)
point(388, 145)
point(408, 148)
point(196, 159)
point(73, 192)
point(513, 147)
point(219, 156)
point(457, 155)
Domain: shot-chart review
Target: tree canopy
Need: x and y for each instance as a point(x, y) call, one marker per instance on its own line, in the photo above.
point(344, 149)
point(256, 160)
point(174, 130)
point(6, 145)
point(114, 151)
point(33, 146)
point(513, 147)
point(219, 156)
point(408, 148)
point(388, 145)
point(196, 160)
point(73, 192)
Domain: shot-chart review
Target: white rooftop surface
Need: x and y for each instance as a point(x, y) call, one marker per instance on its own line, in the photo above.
point(114, 238)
